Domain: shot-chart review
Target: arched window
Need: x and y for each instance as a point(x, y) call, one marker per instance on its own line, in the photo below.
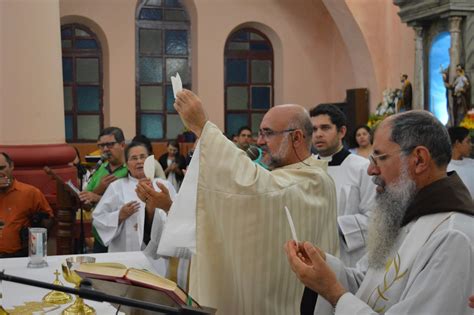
point(82, 81)
point(248, 79)
point(163, 49)
point(439, 60)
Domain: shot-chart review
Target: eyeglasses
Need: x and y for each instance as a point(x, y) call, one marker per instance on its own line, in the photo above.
point(136, 158)
point(380, 157)
point(109, 145)
point(267, 133)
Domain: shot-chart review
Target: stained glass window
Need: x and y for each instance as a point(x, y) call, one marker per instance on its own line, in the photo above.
point(163, 49)
point(82, 82)
point(248, 79)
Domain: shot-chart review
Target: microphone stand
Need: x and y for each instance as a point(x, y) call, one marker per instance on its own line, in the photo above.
point(81, 234)
point(86, 291)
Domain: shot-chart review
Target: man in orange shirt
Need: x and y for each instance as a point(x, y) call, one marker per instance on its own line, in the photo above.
point(21, 206)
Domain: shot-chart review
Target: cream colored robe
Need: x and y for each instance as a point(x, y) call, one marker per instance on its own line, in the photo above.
point(240, 266)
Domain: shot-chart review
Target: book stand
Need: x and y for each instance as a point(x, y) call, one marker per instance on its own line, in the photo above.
point(87, 292)
point(68, 203)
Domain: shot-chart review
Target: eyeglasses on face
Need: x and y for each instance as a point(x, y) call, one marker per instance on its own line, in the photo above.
point(268, 133)
point(380, 157)
point(136, 158)
point(109, 145)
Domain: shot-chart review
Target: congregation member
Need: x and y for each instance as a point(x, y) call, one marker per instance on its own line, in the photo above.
point(363, 141)
point(354, 188)
point(111, 143)
point(420, 247)
point(238, 266)
point(147, 142)
point(244, 138)
point(460, 161)
point(121, 218)
point(174, 164)
point(189, 156)
point(21, 206)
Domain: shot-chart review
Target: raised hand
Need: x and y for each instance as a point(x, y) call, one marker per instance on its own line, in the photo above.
point(154, 199)
point(190, 109)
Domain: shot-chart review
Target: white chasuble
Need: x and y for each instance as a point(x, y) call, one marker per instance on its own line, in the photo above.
point(240, 266)
point(381, 287)
point(128, 236)
point(431, 272)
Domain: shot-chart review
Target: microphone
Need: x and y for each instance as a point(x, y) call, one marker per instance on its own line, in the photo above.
point(103, 157)
point(255, 154)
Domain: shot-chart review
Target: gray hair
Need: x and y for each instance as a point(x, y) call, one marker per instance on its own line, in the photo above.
point(301, 120)
point(421, 128)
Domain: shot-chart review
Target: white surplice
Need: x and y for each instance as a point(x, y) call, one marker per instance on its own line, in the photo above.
point(465, 169)
point(240, 266)
point(128, 236)
point(355, 199)
point(432, 272)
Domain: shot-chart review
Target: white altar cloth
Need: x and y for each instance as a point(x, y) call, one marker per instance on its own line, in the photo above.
point(15, 294)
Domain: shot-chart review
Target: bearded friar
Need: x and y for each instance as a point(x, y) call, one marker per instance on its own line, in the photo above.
point(420, 249)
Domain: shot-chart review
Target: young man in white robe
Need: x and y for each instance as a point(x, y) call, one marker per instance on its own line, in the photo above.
point(238, 266)
point(460, 161)
point(354, 188)
point(421, 240)
point(121, 218)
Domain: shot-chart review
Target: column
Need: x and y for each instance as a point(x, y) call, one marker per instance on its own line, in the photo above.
point(31, 101)
point(418, 84)
point(468, 43)
point(454, 58)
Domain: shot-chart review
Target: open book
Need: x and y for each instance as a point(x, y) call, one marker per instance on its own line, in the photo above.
point(121, 274)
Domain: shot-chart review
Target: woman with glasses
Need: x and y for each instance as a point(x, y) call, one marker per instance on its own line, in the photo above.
point(124, 217)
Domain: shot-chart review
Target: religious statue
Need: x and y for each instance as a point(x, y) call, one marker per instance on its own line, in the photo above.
point(460, 91)
point(406, 95)
point(388, 104)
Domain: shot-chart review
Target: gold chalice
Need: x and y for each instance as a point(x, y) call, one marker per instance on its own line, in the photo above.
point(69, 273)
point(56, 297)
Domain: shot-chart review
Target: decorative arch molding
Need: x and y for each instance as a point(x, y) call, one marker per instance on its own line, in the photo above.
point(99, 32)
point(357, 49)
point(277, 54)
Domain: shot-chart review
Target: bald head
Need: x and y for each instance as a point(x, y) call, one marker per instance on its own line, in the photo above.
point(292, 116)
point(285, 135)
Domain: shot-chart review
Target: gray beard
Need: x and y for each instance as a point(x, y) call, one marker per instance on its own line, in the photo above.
point(387, 216)
point(276, 160)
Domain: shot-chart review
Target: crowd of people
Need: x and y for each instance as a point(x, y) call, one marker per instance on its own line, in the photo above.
point(386, 227)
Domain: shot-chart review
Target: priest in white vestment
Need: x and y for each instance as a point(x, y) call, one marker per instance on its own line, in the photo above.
point(421, 240)
point(354, 187)
point(239, 266)
point(122, 220)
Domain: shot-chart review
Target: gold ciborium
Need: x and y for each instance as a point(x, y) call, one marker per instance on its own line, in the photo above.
point(69, 273)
